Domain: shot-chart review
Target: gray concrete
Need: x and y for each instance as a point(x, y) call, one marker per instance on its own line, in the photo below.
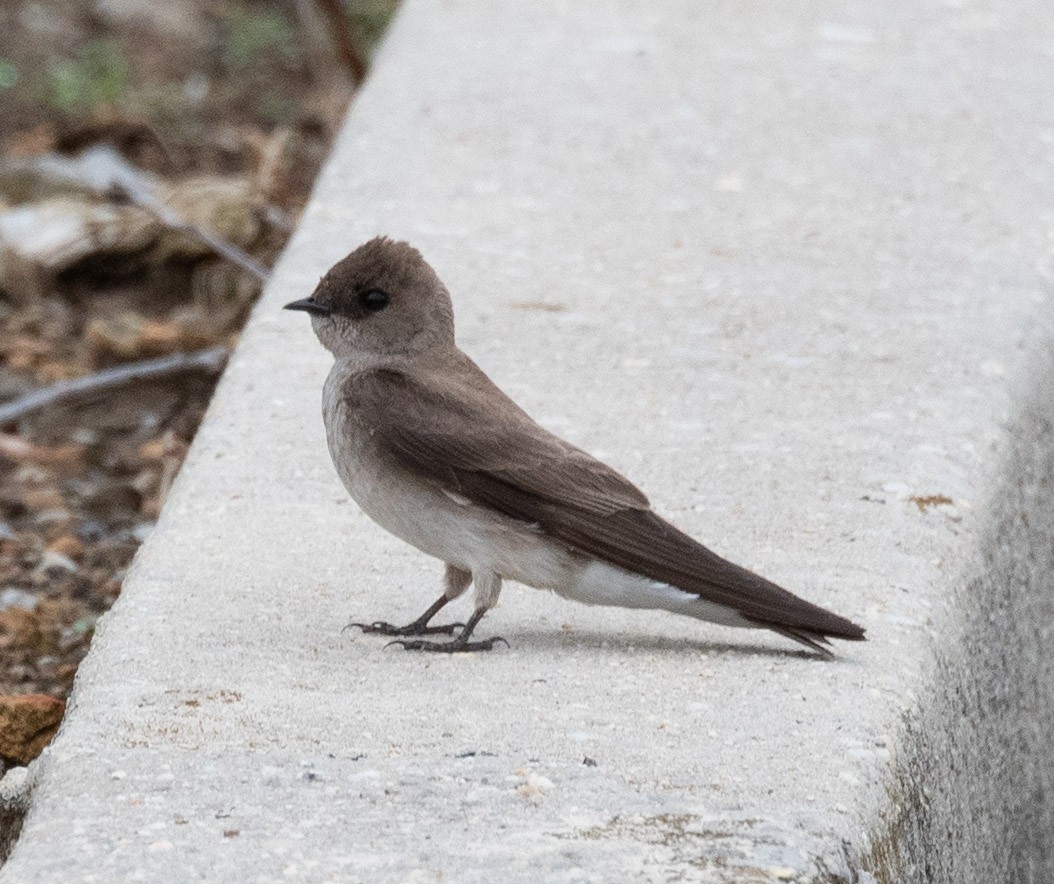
point(788, 266)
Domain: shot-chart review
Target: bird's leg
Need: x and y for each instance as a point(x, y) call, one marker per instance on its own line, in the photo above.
point(418, 627)
point(457, 581)
point(488, 588)
point(461, 643)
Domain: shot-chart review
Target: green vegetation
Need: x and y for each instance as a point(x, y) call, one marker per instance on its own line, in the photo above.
point(251, 35)
point(99, 75)
point(369, 21)
point(8, 74)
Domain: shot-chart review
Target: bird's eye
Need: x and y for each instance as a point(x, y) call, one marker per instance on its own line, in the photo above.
point(374, 300)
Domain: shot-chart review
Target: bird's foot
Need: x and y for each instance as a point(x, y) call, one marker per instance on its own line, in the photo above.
point(416, 628)
point(454, 647)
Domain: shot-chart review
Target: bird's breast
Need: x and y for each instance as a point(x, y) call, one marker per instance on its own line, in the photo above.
point(403, 504)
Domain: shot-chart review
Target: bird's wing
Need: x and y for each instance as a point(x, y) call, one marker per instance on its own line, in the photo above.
point(463, 433)
point(463, 426)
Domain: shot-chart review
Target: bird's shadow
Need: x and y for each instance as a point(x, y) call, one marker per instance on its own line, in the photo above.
point(537, 638)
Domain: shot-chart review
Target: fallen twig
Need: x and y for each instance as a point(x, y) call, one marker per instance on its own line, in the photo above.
point(278, 218)
point(337, 23)
point(149, 203)
point(271, 151)
point(103, 172)
point(100, 383)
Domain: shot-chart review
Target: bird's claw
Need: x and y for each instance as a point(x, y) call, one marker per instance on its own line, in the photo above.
point(454, 647)
point(379, 627)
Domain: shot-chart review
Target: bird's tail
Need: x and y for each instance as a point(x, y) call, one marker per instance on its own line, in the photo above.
point(600, 583)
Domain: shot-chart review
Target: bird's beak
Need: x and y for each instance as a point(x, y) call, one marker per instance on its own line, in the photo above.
point(308, 305)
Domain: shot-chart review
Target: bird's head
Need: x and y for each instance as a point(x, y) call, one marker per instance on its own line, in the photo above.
point(382, 298)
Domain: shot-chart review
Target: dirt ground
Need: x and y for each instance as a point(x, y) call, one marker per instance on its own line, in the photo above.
point(225, 109)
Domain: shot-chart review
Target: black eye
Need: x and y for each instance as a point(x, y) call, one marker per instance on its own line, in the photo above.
point(374, 300)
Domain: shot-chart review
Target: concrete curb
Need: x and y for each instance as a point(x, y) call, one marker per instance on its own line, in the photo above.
point(791, 272)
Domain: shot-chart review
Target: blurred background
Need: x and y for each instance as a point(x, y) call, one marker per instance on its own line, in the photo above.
point(154, 158)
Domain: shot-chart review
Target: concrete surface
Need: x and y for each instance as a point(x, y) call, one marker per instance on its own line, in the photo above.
point(789, 266)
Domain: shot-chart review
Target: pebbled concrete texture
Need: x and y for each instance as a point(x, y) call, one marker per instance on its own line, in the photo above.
point(789, 267)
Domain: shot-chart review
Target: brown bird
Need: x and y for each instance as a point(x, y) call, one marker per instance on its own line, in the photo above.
point(435, 453)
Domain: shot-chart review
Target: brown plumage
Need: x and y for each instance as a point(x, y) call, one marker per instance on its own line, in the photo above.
point(420, 418)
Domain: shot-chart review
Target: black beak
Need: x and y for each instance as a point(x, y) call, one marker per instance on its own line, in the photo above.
point(308, 306)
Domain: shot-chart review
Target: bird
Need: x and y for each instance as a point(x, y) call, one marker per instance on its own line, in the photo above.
point(432, 450)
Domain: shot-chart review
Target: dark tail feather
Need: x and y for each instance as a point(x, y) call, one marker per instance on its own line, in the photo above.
point(662, 552)
point(812, 640)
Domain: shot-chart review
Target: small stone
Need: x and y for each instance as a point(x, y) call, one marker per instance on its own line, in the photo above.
point(16, 597)
point(155, 449)
point(156, 338)
point(116, 335)
point(14, 789)
point(56, 561)
point(67, 545)
point(38, 500)
point(27, 724)
point(58, 516)
point(20, 629)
